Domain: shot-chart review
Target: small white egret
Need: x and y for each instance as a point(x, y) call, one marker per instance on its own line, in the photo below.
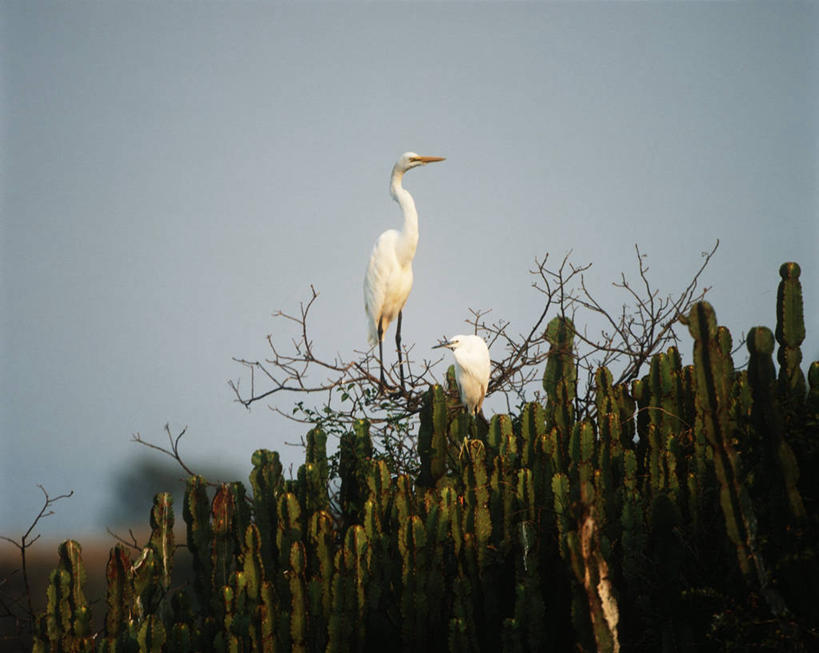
point(472, 367)
point(388, 281)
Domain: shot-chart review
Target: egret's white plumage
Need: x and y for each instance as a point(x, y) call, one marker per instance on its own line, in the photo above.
point(388, 281)
point(472, 368)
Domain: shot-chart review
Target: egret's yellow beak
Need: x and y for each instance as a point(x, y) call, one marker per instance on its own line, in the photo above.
point(427, 159)
point(443, 344)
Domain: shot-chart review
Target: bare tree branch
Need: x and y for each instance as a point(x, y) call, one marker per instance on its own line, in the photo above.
point(12, 607)
point(173, 451)
point(349, 389)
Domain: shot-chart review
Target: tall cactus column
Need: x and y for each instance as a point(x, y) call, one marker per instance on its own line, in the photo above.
point(713, 370)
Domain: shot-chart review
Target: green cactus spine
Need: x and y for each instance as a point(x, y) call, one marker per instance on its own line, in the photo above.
point(223, 546)
point(252, 580)
point(666, 550)
point(812, 400)
point(196, 512)
point(355, 454)
point(530, 611)
point(380, 488)
point(347, 626)
point(119, 596)
point(66, 624)
point(152, 635)
point(501, 493)
point(412, 543)
point(298, 598)
point(162, 538)
point(316, 453)
point(499, 433)
point(477, 517)
point(267, 482)
point(320, 550)
point(767, 414)
point(289, 527)
point(560, 376)
point(433, 445)
point(632, 523)
point(532, 425)
point(310, 488)
point(714, 373)
point(790, 332)
point(267, 619)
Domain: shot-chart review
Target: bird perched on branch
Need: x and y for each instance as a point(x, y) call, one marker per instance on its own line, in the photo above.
point(472, 367)
point(388, 281)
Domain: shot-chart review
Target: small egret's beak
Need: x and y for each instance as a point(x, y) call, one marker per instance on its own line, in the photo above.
point(427, 159)
point(443, 344)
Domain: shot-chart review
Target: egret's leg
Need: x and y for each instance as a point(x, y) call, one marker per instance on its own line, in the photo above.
point(398, 347)
point(382, 385)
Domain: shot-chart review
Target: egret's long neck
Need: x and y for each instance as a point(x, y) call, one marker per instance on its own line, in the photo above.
point(408, 240)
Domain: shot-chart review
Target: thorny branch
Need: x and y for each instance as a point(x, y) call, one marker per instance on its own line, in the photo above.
point(12, 607)
point(348, 389)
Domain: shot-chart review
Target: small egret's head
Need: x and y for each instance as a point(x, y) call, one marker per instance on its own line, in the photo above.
point(453, 343)
point(411, 160)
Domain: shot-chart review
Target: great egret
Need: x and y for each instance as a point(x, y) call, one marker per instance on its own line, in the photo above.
point(388, 281)
point(472, 367)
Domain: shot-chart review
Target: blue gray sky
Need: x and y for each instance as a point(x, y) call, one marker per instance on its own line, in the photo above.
point(174, 172)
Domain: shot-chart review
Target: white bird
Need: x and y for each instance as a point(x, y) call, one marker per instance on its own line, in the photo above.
point(388, 281)
point(472, 367)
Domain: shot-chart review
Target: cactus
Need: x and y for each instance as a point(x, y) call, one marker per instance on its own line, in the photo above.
point(347, 626)
point(545, 530)
point(560, 376)
point(812, 400)
point(380, 488)
point(603, 607)
point(433, 445)
point(311, 490)
point(119, 596)
point(667, 554)
point(529, 624)
point(476, 516)
point(223, 547)
point(66, 623)
point(252, 566)
point(316, 453)
point(414, 606)
point(532, 425)
point(355, 453)
point(152, 635)
point(790, 332)
point(196, 514)
point(319, 575)
point(714, 374)
point(777, 454)
point(290, 529)
point(632, 523)
point(267, 483)
point(162, 538)
point(298, 599)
